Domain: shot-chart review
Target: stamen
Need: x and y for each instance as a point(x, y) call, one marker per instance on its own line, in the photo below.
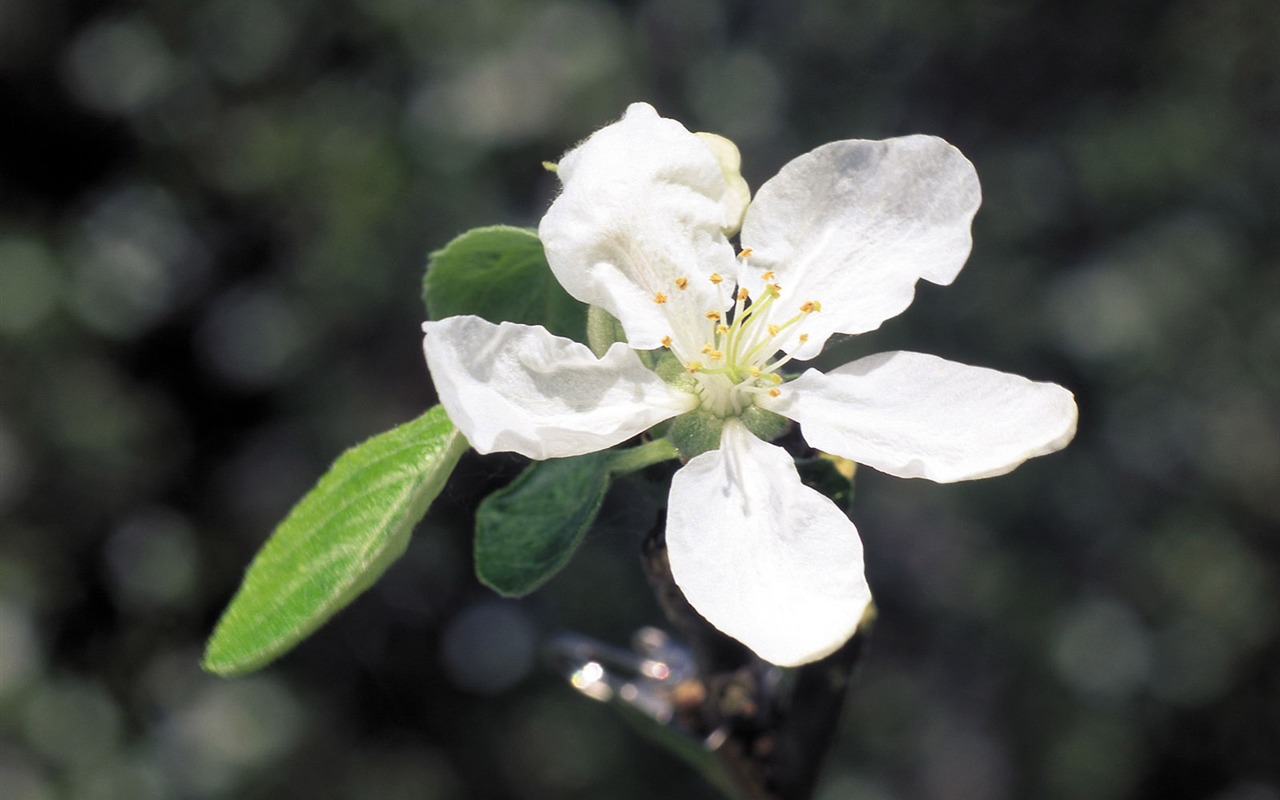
point(745, 253)
point(682, 283)
point(659, 298)
point(744, 344)
point(666, 342)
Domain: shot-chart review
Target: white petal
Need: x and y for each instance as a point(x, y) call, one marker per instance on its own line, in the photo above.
point(761, 556)
point(854, 224)
point(519, 388)
point(644, 203)
point(920, 416)
point(738, 194)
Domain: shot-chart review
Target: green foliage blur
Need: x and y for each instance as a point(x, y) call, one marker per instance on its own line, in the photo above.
point(213, 222)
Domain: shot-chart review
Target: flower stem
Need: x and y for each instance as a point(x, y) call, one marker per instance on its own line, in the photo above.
point(636, 458)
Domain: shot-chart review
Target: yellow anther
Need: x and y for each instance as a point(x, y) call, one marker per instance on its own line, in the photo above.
point(804, 337)
point(744, 295)
point(715, 355)
point(773, 330)
point(775, 392)
point(715, 278)
point(744, 253)
point(550, 166)
point(777, 288)
point(754, 371)
point(682, 283)
point(659, 298)
point(775, 378)
point(722, 329)
point(810, 306)
point(706, 348)
point(714, 316)
point(768, 276)
point(666, 342)
point(693, 366)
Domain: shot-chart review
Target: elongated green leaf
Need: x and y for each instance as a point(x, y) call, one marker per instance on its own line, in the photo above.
point(501, 274)
point(527, 530)
point(335, 542)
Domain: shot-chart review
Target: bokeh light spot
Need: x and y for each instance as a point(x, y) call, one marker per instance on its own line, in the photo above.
point(151, 559)
point(489, 647)
point(252, 337)
point(73, 722)
point(20, 657)
point(242, 40)
point(29, 284)
point(1102, 648)
point(135, 260)
point(230, 727)
point(119, 65)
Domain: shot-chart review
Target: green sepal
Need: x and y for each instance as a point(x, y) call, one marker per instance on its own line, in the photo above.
point(527, 531)
point(766, 425)
point(669, 368)
point(603, 330)
point(500, 273)
point(696, 432)
point(335, 542)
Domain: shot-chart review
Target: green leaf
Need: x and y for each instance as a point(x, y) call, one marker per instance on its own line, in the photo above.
point(335, 542)
point(501, 274)
point(527, 530)
point(824, 474)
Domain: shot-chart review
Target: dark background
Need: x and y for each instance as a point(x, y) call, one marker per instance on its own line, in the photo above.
point(213, 222)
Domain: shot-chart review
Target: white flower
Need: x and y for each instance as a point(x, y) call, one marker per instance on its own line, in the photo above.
point(833, 244)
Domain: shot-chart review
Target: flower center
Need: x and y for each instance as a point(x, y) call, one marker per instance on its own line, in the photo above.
point(736, 356)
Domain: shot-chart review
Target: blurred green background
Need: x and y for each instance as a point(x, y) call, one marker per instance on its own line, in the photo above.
point(213, 221)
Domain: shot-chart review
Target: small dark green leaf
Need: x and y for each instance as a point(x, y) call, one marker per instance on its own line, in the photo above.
point(335, 542)
point(527, 530)
point(501, 274)
point(824, 475)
